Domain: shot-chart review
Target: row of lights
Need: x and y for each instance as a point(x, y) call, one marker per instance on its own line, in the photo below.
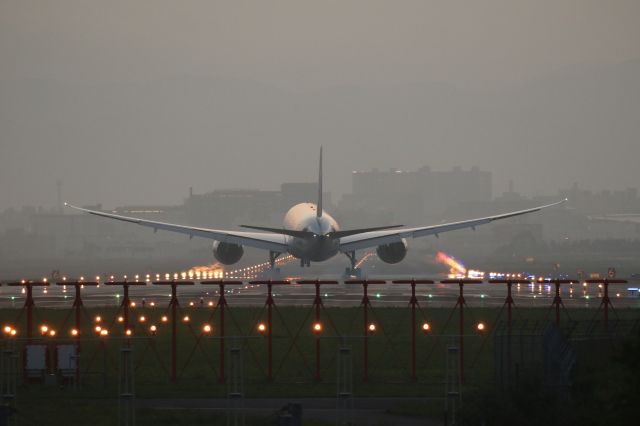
point(206, 328)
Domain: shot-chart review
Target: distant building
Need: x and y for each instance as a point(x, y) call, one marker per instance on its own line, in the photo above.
point(230, 207)
point(302, 192)
point(603, 202)
point(415, 196)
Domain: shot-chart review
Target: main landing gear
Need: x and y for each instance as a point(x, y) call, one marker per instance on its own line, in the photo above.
point(352, 272)
point(272, 272)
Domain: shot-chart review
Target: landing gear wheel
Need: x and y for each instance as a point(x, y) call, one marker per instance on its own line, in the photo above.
point(352, 272)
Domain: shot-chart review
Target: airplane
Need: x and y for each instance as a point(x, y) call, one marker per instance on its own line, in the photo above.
point(310, 234)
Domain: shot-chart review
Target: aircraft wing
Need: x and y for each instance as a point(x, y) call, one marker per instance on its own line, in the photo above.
point(261, 240)
point(376, 238)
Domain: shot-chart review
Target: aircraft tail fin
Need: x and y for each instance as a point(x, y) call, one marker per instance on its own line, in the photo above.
point(319, 204)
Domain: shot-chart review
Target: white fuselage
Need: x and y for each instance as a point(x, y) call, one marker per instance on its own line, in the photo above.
point(303, 217)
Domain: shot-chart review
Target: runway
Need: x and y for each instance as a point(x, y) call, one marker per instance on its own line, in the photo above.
point(340, 295)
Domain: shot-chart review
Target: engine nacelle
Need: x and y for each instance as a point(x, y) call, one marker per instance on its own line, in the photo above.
point(227, 253)
point(392, 253)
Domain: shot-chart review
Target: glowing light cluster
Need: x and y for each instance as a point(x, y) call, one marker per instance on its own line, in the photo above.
point(254, 270)
point(364, 259)
point(456, 268)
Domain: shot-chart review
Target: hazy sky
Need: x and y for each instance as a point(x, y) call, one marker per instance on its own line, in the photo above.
point(135, 101)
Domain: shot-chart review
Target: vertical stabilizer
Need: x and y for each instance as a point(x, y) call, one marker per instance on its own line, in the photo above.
point(319, 204)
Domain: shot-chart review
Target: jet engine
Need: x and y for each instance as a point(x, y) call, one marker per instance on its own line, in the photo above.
point(393, 252)
point(227, 253)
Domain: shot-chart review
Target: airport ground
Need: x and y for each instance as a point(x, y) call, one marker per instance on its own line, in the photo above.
point(600, 380)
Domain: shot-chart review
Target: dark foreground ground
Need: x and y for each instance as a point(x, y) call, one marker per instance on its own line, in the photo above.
point(601, 387)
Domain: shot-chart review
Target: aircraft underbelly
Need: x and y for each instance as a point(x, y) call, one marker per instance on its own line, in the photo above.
point(316, 251)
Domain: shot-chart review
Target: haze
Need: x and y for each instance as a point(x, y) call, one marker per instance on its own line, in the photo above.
point(136, 101)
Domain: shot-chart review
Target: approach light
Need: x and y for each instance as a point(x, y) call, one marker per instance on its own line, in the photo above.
point(206, 328)
point(120, 319)
point(426, 327)
point(186, 318)
point(317, 327)
point(52, 333)
point(44, 329)
point(210, 303)
point(98, 329)
point(128, 332)
point(262, 327)
point(74, 332)
point(142, 318)
point(104, 332)
point(132, 304)
point(13, 332)
point(98, 318)
point(153, 329)
point(164, 318)
point(7, 329)
point(372, 328)
point(481, 327)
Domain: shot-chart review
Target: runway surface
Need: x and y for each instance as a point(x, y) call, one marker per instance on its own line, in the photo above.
point(341, 295)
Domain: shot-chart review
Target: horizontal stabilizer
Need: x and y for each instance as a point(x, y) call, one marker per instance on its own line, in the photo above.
point(348, 232)
point(282, 231)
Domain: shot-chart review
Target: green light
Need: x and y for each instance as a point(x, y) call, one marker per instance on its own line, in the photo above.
point(377, 295)
point(117, 296)
point(326, 295)
point(482, 296)
point(13, 298)
point(431, 296)
point(587, 296)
